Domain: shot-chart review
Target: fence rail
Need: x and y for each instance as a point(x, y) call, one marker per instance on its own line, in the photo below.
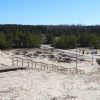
point(43, 66)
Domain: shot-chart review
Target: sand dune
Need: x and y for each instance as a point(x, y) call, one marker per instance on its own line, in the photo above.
point(41, 85)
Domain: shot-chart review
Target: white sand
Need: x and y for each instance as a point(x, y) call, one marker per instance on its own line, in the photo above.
point(40, 85)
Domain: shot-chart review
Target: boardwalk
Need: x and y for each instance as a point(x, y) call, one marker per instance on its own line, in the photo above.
point(30, 64)
point(20, 63)
point(4, 68)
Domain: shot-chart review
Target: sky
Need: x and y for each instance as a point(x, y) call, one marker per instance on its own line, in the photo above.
point(50, 12)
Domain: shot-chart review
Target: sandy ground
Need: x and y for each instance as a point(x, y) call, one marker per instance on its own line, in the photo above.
point(40, 85)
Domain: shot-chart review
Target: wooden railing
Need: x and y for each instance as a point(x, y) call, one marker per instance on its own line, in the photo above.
point(43, 66)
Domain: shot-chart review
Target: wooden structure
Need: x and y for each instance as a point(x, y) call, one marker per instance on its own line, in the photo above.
point(28, 63)
point(5, 68)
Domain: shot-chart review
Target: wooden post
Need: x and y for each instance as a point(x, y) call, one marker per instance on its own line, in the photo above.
point(22, 62)
point(28, 63)
point(47, 66)
point(70, 70)
point(32, 64)
point(56, 68)
point(17, 61)
point(44, 66)
point(64, 71)
point(52, 67)
point(41, 65)
point(92, 55)
point(35, 64)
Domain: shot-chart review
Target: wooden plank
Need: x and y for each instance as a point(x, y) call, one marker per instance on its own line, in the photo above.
point(4, 68)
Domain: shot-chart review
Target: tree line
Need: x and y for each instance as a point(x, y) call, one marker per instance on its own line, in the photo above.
point(73, 41)
point(59, 36)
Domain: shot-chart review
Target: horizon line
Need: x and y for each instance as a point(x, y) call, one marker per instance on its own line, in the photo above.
point(54, 24)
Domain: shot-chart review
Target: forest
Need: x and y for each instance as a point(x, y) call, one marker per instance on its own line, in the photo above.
point(59, 36)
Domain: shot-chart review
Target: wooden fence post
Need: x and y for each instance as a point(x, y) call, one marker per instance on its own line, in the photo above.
point(52, 67)
point(44, 67)
point(47, 66)
point(22, 62)
point(28, 63)
point(32, 64)
point(17, 61)
point(41, 65)
point(35, 64)
point(66, 70)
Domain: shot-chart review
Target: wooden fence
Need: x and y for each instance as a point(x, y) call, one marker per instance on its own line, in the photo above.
point(43, 66)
